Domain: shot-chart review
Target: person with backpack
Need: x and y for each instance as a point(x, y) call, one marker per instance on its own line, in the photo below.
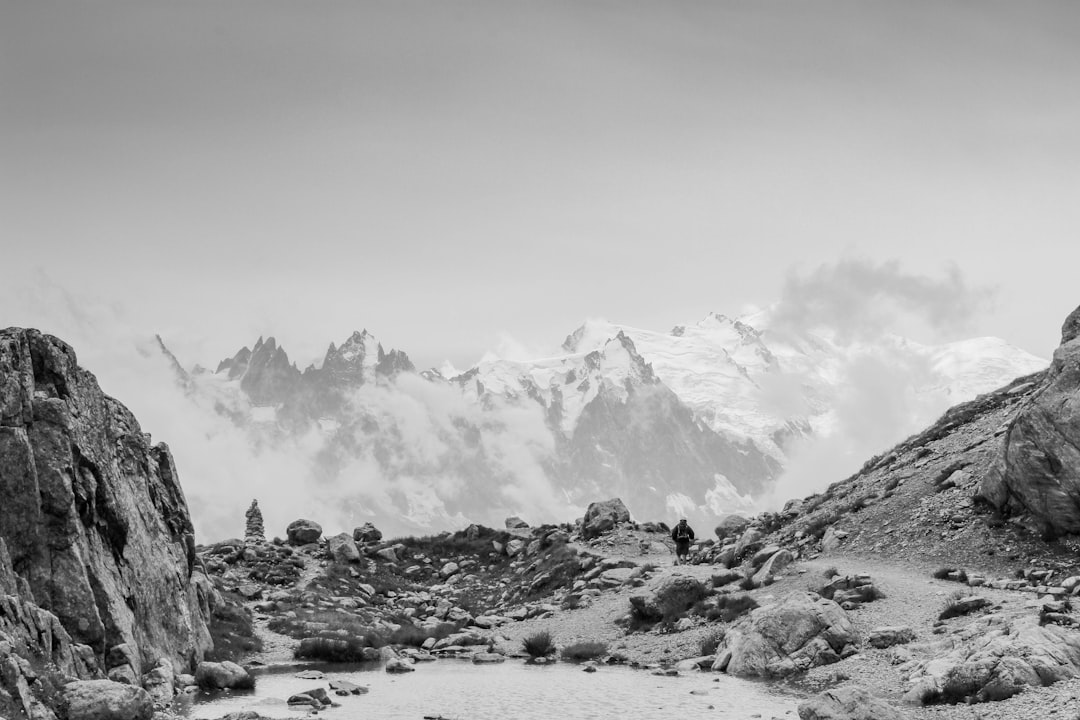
point(683, 535)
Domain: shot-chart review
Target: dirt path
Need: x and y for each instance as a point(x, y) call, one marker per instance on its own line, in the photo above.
point(277, 649)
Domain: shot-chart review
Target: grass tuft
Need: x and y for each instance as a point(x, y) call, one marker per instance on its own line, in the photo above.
point(539, 644)
point(589, 650)
point(711, 642)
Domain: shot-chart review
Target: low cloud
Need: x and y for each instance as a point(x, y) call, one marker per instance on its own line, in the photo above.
point(859, 299)
point(883, 386)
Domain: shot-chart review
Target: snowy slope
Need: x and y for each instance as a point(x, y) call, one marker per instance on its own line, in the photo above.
point(750, 384)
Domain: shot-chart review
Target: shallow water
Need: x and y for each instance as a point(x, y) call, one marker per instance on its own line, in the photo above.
point(460, 690)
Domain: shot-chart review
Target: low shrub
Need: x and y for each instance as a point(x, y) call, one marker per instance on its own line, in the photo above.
point(830, 572)
point(747, 584)
point(589, 650)
point(571, 602)
point(539, 644)
point(353, 649)
point(730, 607)
point(711, 642)
point(232, 631)
point(409, 634)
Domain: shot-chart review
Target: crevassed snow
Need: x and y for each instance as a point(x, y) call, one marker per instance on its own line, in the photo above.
point(749, 383)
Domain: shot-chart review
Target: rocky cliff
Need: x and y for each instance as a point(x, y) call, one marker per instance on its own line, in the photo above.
point(92, 513)
point(1037, 470)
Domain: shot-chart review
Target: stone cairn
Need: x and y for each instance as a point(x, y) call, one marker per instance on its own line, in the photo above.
point(254, 533)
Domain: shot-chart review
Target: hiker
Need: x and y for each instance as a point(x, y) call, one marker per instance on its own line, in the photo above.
point(683, 535)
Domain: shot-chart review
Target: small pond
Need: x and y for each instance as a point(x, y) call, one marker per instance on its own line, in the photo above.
point(460, 690)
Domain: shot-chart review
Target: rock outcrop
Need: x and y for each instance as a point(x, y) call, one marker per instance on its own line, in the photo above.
point(993, 659)
point(1037, 470)
point(92, 514)
point(802, 631)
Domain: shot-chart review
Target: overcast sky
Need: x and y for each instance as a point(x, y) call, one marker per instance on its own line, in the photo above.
point(443, 173)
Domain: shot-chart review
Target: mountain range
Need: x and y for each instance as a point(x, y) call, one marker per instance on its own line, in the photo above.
point(699, 421)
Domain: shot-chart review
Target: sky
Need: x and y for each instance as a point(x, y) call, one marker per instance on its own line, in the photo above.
point(449, 175)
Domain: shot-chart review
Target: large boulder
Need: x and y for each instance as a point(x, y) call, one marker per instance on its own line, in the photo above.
point(801, 631)
point(106, 700)
point(668, 597)
point(847, 703)
point(222, 675)
point(367, 533)
point(515, 523)
point(603, 516)
point(1037, 468)
point(303, 532)
point(92, 512)
point(343, 549)
point(731, 526)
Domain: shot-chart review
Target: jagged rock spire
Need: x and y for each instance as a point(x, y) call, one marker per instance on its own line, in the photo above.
point(254, 532)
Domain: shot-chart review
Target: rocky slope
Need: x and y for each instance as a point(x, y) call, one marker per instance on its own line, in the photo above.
point(93, 518)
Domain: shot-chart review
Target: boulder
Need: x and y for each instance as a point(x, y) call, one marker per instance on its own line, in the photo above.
point(515, 523)
point(222, 675)
point(771, 567)
point(303, 532)
point(515, 546)
point(885, 637)
point(800, 632)
point(731, 526)
point(847, 703)
point(343, 549)
point(448, 569)
point(106, 700)
point(1037, 468)
point(668, 597)
point(92, 512)
point(399, 665)
point(603, 516)
point(758, 558)
point(748, 541)
point(367, 533)
point(486, 658)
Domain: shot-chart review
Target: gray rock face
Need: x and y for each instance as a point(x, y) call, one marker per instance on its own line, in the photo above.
point(302, 532)
point(847, 703)
point(92, 514)
point(1037, 469)
point(601, 517)
point(28, 632)
point(798, 633)
point(106, 700)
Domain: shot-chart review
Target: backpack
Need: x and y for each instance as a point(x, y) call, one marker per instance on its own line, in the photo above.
point(682, 532)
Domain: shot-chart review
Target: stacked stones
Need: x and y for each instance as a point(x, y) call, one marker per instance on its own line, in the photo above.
point(254, 532)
